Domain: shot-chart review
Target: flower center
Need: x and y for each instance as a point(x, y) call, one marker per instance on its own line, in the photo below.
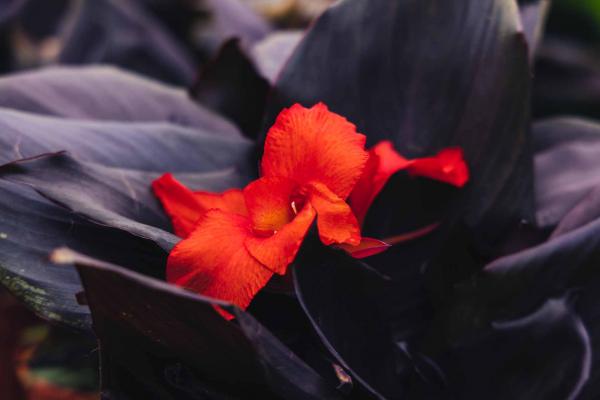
point(297, 200)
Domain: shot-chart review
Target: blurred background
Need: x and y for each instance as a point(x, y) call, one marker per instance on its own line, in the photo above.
point(174, 41)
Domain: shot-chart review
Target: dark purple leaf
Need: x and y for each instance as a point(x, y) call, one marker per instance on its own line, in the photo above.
point(122, 33)
point(158, 341)
point(231, 85)
point(566, 164)
point(356, 314)
point(543, 355)
point(105, 93)
point(567, 80)
point(585, 211)
point(114, 197)
point(158, 147)
point(561, 272)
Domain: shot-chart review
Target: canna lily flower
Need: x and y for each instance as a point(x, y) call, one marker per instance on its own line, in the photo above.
point(314, 160)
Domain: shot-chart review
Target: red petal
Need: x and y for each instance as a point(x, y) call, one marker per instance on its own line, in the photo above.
point(447, 166)
point(214, 262)
point(269, 203)
point(231, 201)
point(335, 219)
point(278, 251)
point(185, 207)
point(368, 247)
point(383, 162)
point(179, 203)
point(315, 145)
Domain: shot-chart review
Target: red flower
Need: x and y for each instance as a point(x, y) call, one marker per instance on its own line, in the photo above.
point(314, 159)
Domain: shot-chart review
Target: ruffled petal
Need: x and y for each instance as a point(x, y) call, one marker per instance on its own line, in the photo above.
point(269, 202)
point(278, 251)
point(447, 166)
point(214, 262)
point(315, 145)
point(179, 203)
point(335, 220)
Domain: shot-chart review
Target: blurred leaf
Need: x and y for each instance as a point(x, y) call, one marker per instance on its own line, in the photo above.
point(271, 53)
point(122, 33)
point(566, 160)
point(229, 19)
point(567, 80)
point(105, 93)
point(10, 8)
point(62, 364)
point(533, 16)
point(158, 341)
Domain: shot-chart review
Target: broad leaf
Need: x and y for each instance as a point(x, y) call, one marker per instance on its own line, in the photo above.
point(356, 314)
point(158, 341)
point(105, 93)
point(114, 197)
point(159, 147)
